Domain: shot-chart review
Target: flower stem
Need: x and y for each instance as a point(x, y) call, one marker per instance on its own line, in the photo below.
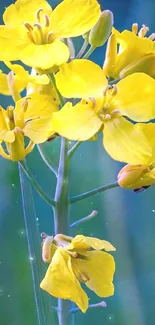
point(113, 82)
point(35, 184)
point(89, 52)
point(46, 160)
point(93, 192)
point(61, 216)
point(73, 149)
point(82, 50)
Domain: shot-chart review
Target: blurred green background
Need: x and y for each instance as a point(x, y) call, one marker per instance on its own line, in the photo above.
point(124, 218)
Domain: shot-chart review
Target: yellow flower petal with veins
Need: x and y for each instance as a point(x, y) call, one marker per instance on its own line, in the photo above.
point(73, 18)
point(99, 267)
point(126, 142)
point(135, 97)
point(81, 242)
point(77, 122)
point(149, 132)
point(60, 280)
point(84, 79)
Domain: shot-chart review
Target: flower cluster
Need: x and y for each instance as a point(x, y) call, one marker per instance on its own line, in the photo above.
point(70, 96)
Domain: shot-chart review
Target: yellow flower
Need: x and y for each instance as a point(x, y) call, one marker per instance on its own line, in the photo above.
point(33, 33)
point(103, 109)
point(17, 80)
point(30, 118)
point(132, 47)
point(142, 175)
point(75, 260)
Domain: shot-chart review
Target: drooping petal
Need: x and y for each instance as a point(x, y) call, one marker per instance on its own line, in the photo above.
point(149, 131)
point(45, 56)
point(61, 282)
point(125, 142)
point(24, 11)
point(81, 242)
point(135, 97)
point(12, 42)
point(77, 122)
point(81, 79)
point(39, 130)
point(74, 17)
point(99, 267)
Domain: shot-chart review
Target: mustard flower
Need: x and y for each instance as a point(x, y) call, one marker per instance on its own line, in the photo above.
point(141, 175)
point(34, 34)
point(30, 118)
point(106, 109)
point(75, 260)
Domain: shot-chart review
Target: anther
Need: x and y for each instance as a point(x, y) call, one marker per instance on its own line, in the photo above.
point(47, 21)
point(50, 37)
point(93, 100)
point(38, 25)
point(24, 104)
point(152, 37)
point(135, 28)
point(28, 26)
point(38, 14)
point(143, 31)
point(114, 90)
point(106, 89)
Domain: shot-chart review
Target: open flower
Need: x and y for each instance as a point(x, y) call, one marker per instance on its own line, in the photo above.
point(33, 33)
point(142, 175)
point(75, 260)
point(30, 118)
point(133, 46)
point(104, 108)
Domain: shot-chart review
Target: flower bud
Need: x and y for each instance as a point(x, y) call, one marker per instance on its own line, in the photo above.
point(110, 57)
point(101, 31)
point(129, 176)
point(146, 65)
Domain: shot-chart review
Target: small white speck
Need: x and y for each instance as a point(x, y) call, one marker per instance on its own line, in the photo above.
point(31, 258)
point(153, 210)
point(13, 185)
point(9, 296)
point(37, 219)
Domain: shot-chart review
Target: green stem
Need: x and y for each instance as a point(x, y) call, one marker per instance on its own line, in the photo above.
point(89, 52)
point(46, 159)
point(61, 215)
point(93, 192)
point(82, 50)
point(35, 184)
point(73, 149)
point(113, 82)
point(52, 79)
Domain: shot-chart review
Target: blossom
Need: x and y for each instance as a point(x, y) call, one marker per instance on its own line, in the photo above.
point(30, 118)
point(106, 109)
point(34, 34)
point(142, 175)
point(75, 260)
point(133, 46)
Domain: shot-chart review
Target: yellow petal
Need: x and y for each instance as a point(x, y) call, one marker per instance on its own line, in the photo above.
point(135, 97)
point(73, 18)
point(81, 242)
point(4, 90)
point(125, 142)
point(24, 11)
point(61, 282)
point(45, 56)
point(149, 131)
point(12, 42)
point(7, 136)
point(99, 267)
point(16, 149)
point(84, 79)
point(77, 122)
point(38, 130)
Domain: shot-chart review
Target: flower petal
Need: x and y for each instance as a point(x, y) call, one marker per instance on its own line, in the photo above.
point(74, 17)
point(84, 79)
point(125, 142)
point(38, 130)
point(81, 242)
point(24, 11)
point(7, 136)
point(149, 131)
point(61, 282)
point(4, 90)
point(99, 267)
point(45, 56)
point(135, 97)
point(77, 122)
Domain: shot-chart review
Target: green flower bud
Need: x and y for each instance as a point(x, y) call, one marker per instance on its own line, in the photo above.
point(146, 64)
point(101, 31)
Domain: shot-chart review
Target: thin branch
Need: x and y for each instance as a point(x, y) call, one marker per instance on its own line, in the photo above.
point(82, 50)
point(35, 184)
point(93, 192)
point(73, 149)
point(46, 159)
point(89, 52)
point(90, 216)
point(100, 304)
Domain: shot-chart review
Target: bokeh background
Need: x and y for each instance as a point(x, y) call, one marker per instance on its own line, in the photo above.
point(124, 218)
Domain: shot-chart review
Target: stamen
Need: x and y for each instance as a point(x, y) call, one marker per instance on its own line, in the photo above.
point(47, 21)
point(93, 100)
point(24, 104)
point(38, 14)
point(143, 31)
point(135, 28)
point(28, 26)
point(106, 89)
point(114, 90)
point(152, 37)
point(50, 37)
point(38, 25)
